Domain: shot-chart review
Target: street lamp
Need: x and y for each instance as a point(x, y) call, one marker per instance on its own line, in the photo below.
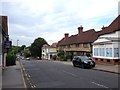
point(17, 42)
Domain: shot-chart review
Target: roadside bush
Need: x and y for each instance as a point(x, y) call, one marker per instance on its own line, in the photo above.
point(69, 57)
point(10, 59)
point(60, 55)
point(54, 57)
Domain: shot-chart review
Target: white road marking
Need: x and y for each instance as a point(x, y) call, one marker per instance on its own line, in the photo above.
point(23, 75)
point(99, 85)
point(23, 69)
point(34, 86)
point(26, 74)
point(27, 78)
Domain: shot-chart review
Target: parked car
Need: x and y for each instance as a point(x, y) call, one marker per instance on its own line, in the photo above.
point(28, 58)
point(83, 61)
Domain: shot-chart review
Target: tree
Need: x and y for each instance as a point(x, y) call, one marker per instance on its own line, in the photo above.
point(36, 47)
point(26, 52)
point(14, 49)
point(61, 54)
point(22, 48)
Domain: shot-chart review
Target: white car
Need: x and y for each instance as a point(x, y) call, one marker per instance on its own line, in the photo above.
point(28, 58)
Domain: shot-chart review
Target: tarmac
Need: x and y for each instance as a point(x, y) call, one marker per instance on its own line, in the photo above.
point(101, 67)
point(12, 76)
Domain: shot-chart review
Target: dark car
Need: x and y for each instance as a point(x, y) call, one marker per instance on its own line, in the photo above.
point(83, 61)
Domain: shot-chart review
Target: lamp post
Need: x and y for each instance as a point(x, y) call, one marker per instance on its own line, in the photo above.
point(17, 42)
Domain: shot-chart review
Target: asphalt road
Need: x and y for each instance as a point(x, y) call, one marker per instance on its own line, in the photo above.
point(50, 74)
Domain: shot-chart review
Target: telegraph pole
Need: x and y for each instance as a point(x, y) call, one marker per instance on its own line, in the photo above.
point(17, 42)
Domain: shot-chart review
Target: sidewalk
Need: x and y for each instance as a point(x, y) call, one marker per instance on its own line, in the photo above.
point(108, 68)
point(101, 67)
point(12, 77)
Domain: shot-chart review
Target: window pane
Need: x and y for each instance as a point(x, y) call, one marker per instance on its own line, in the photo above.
point(95, 51)
point(116, 52)
point(108, 52)
point(102, 52)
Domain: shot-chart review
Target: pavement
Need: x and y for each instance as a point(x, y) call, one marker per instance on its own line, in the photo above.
point(12, 76)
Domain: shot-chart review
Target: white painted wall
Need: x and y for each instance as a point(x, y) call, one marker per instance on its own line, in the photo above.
point(106, 45)
point(47, 52)
point(115, 34)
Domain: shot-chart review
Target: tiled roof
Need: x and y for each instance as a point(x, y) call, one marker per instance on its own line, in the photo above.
point(84, 37)
point(114, 26)
point(3, 24)
point(54, 45)
point(91, 35)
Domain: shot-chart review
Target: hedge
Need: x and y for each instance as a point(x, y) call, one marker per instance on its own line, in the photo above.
point(10, 59)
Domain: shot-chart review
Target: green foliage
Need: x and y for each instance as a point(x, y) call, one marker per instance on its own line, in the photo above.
point(11, 55)
point(14, 49)
point(36, 47)
point(10, 59)
point(26, 52)
point(54, 57)
point(22, 48)
point(60, 55)
point(69, 57)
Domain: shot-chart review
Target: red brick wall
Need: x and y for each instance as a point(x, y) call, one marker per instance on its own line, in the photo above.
point(106, 61)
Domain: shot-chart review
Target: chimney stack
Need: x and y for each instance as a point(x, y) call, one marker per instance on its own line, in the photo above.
point(66, 35)
point(103, 27)
point(80, 29)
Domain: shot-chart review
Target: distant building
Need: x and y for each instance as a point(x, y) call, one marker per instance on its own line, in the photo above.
point(107, 47)
point(79, 44)
point(48, 51)
point(4, 38)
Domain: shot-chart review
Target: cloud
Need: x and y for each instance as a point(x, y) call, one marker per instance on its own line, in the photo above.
point(50, 19)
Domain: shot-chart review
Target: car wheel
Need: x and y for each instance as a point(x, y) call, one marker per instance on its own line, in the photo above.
point(74, 64)
point(82, 66)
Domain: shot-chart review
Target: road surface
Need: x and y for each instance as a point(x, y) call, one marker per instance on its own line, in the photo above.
point(51, 74)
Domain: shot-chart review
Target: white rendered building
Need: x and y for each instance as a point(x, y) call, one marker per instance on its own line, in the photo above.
point(49, 51)
point(106, 48)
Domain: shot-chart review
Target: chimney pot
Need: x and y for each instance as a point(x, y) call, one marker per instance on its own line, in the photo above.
point(66, 35)
point(80, 29)
point(103, 27)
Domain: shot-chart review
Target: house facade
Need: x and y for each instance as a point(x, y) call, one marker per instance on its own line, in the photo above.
point(4, 40)
point(48, 51)
point(79, 44)
point(107, 47)
point(91, 42)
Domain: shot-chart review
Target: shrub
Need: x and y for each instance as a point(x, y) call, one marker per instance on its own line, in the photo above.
point(54, 57)
point(10, 59)
point(69, 57)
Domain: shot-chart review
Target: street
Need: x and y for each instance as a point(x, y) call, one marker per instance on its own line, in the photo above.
point(51, 74)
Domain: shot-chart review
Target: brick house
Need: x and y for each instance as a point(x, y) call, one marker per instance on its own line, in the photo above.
point(79, 44)
point(82, 43)
point(4, 37)
point(106, 48)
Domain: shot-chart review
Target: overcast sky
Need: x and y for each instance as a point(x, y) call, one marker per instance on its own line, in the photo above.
point(50, 19)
